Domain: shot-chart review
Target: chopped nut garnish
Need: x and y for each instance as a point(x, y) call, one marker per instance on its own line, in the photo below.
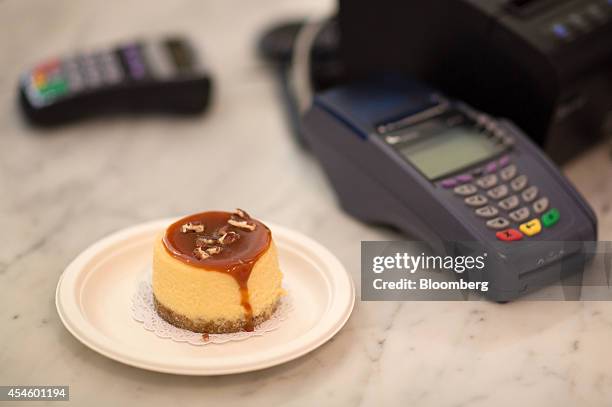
point(196, 227)
point(202, 241)
point(241, 223)
point(214, 250)
point(200, 254)
point(242, 214)
point(229, 238)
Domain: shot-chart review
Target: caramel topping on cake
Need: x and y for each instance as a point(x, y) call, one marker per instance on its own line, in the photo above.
point(223, 242)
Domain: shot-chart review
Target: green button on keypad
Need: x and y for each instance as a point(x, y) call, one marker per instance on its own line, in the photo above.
point(551, 217)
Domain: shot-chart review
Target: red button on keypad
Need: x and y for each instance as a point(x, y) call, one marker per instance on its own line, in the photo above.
point(509, 235)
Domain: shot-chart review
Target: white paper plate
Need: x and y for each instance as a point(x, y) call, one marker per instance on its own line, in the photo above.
point(95, 292)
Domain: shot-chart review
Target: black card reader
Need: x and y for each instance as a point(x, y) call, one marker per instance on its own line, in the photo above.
point(156, 76)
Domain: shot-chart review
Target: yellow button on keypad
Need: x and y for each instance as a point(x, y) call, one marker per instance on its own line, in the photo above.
point(532, 227)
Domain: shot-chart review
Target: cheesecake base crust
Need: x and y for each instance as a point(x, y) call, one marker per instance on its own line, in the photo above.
point(218, 326)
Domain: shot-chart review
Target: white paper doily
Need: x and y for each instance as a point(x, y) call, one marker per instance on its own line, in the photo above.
point(143, 311)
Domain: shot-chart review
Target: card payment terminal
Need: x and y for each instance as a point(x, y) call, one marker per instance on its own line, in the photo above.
point(401, 154)
point(162, 76)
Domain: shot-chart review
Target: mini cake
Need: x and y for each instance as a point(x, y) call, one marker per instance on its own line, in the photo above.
point(216, 272)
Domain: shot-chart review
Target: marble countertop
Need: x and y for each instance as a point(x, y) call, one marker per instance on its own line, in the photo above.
point(63, 189)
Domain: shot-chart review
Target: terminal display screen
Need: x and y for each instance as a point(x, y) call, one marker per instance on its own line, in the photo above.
point(437, 150)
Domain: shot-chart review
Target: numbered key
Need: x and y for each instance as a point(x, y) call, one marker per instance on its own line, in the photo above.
point(520, 214)
point(530, 193)
point(476, 200)
point(487, 181)
point(519, 182)
point(540, 205)
point(466, 189)
point(487, 211)
point(509, 203)
point(498, 192)
point(507, 173)
point(498, 223)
